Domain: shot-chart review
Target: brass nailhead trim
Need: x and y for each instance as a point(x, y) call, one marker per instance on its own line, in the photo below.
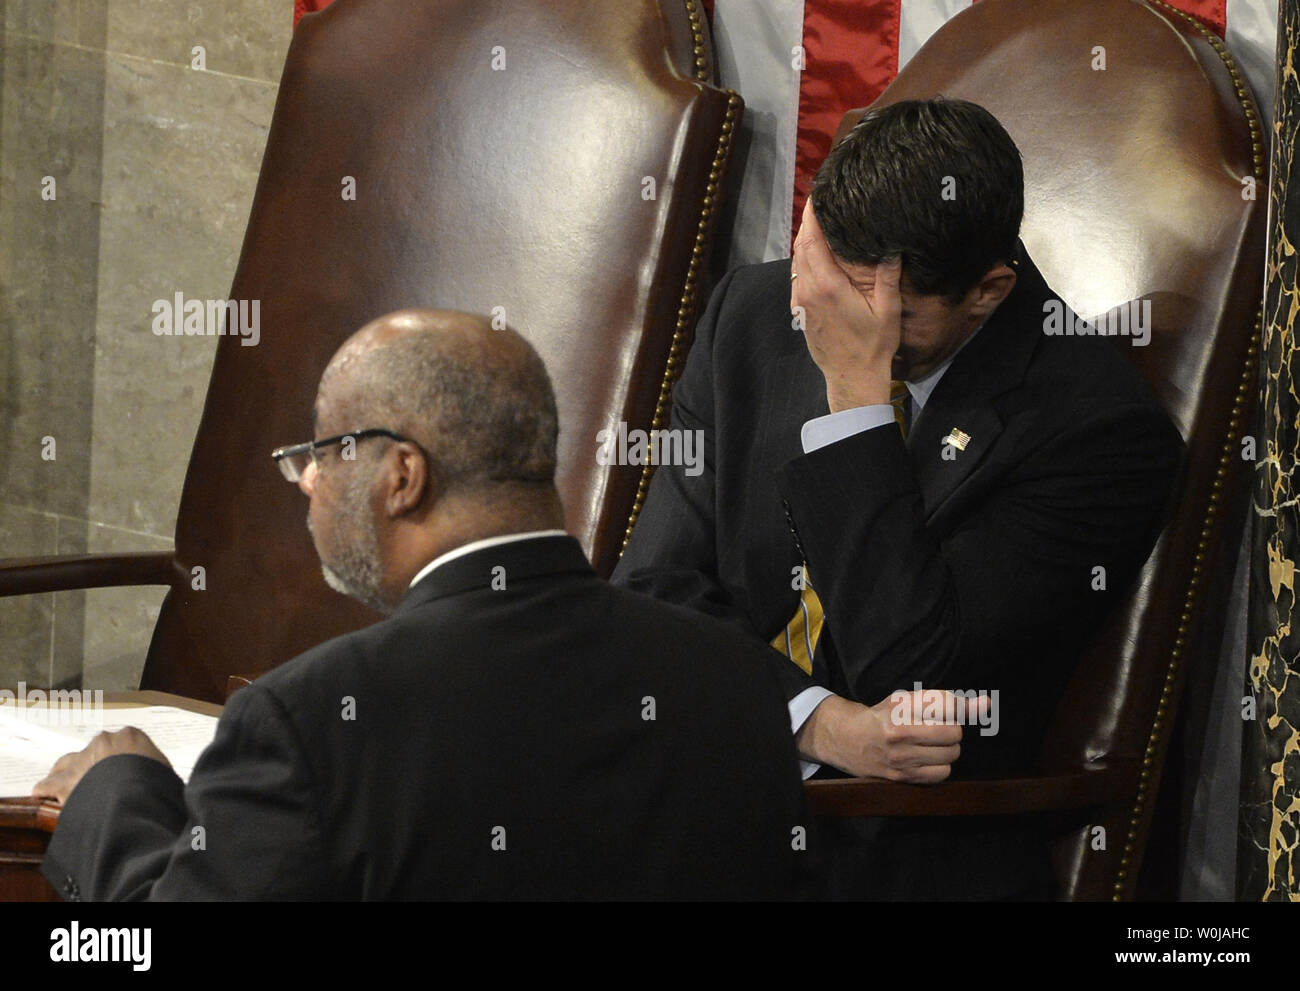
point(1252, 116)
point(697, 42)
point(686, 308)
point(1229, 449)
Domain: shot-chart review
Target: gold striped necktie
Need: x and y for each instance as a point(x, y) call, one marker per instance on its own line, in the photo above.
point(898, 400)
point(798, 641)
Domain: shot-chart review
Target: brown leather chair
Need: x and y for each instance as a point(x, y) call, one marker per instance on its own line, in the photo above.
point(1134, 190)
point(503, 153)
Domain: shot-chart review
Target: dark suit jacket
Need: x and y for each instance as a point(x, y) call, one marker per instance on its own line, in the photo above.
point(974, 571)
point(560, 738)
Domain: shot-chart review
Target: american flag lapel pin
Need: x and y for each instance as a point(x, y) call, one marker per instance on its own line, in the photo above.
point(957, 438)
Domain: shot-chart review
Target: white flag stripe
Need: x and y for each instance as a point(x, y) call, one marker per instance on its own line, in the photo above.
point(754, 40)
point(1252, 40)
point(918, 19)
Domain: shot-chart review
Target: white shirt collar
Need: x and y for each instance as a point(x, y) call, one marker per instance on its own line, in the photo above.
point(478, 545)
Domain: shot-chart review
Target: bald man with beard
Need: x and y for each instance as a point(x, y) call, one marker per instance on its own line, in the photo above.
point(517, 728)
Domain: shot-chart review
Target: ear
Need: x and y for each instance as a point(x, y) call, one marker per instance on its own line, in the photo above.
point(992, 289)
point(405, 479)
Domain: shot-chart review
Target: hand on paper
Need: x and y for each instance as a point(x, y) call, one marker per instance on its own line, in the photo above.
point(69, 769)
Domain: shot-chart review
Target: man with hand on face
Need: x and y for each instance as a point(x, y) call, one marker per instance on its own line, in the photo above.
point(518, 728)
point(908, 481)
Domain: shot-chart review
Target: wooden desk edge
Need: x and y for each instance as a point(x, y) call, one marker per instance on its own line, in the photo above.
point(28, 813)
point(126, 700)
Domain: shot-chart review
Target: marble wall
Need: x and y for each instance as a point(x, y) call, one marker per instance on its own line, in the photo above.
point(154, 161)
point(1270, 769)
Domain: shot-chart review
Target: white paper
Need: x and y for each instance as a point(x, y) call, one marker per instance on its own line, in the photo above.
point(33, 738)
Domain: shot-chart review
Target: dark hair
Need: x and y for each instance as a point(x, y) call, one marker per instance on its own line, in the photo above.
point(938, 181)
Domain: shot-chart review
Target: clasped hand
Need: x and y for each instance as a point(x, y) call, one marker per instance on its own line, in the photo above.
point(885, 741)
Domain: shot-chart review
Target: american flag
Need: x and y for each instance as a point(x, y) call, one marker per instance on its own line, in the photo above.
point(800, 64)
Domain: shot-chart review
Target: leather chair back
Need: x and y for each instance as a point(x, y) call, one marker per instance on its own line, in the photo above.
point(1140, 185)
point(553, 163)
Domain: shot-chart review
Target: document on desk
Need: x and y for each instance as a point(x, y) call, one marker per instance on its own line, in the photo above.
point(33, 738)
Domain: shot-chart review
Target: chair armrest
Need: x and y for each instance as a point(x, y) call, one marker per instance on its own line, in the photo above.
point(27, 815)
point(848, 797)
point(30, 575)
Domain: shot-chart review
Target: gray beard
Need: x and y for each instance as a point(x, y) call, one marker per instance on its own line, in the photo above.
point(352, 589)
point(356, 571)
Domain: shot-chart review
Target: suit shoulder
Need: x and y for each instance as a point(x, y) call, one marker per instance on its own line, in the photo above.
point(1091, 371)
point(749, 314)
point(751, 289)
point(336, 660)
point(760, 274)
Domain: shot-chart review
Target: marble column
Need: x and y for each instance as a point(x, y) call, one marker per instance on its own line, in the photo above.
point(149, 117)
point(1270, 778)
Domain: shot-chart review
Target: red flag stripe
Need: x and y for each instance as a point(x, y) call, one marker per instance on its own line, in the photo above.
point(301, 7)
point(851, 49)
point(851, 54)
point(1212, 13)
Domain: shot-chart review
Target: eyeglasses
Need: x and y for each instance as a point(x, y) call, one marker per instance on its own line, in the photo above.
point(293, 460)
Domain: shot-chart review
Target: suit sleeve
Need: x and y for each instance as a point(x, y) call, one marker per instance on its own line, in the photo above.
point(672, 554)
point(1019, 572)
point(245, 828)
